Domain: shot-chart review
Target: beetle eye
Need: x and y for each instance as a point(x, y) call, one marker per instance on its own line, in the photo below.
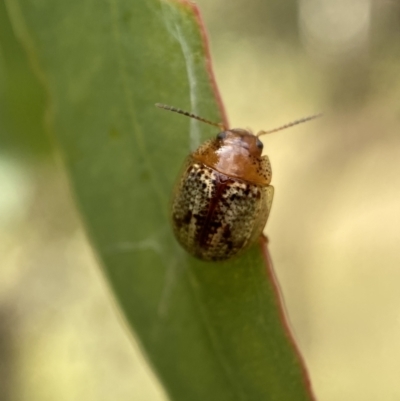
point(221, 135)
point(259, 144)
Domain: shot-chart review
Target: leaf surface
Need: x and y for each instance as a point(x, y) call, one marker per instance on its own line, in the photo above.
point(210, 331)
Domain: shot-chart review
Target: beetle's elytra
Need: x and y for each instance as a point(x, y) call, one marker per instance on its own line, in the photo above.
point(222, 200)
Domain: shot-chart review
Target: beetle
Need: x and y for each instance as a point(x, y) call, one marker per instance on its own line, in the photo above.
point(221, 202)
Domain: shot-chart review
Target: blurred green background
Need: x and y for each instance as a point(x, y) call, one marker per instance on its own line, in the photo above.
point(336, 212)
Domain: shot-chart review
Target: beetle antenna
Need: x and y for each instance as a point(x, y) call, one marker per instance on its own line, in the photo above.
point(301, 120)
point(186, 113)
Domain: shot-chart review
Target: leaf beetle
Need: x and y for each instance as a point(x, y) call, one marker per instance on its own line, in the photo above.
point(222, 200)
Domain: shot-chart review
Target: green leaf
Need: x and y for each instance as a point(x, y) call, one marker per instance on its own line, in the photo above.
point(211, 331)
point(22, 98)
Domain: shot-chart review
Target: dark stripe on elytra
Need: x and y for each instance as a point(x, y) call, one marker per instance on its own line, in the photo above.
point(209, 225)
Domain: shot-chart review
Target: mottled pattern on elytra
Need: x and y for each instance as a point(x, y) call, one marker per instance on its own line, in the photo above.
point(215, 217)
